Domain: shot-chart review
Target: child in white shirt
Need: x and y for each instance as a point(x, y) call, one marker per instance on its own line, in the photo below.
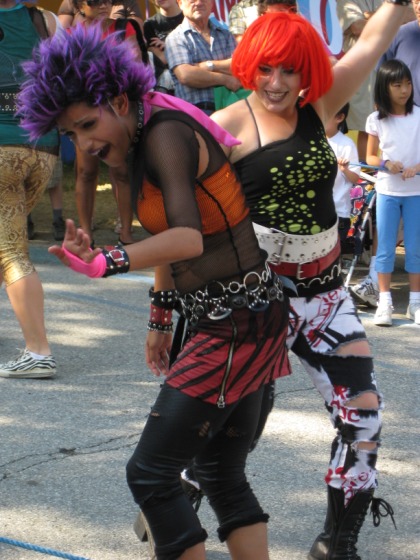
point(394, 129)
point(345, 151)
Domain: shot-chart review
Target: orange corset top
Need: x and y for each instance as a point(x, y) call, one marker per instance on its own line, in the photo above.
point(220, 191)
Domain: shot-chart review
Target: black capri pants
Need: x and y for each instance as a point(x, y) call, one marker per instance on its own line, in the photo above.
point(182, 430)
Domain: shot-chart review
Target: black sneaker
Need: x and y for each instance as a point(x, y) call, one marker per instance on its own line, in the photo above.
point(59, 229)
point(31, 228)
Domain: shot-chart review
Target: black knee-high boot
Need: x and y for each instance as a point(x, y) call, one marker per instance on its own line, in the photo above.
point(342, 524)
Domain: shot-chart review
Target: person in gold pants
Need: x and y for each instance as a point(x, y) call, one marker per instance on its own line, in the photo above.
point(25, 172)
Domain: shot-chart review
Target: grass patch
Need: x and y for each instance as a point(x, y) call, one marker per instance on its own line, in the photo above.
point(69, 175)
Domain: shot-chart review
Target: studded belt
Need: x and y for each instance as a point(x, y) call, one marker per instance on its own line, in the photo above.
point(217, 300)
point(288, 248)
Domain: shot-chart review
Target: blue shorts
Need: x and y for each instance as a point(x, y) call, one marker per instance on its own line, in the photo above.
point(389, 211)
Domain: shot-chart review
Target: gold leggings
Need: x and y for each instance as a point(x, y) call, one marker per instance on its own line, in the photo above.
point(24, 174)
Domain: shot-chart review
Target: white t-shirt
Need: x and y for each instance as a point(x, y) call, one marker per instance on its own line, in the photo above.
point(345, 148)
point(399, 140)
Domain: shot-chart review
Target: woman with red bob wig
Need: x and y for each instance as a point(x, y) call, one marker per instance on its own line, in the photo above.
point(300, 48)
point(287, 170)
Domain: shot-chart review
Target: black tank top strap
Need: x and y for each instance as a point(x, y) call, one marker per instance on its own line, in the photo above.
point(255, 122)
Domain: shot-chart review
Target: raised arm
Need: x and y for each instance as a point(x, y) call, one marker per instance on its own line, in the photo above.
point(354, 67)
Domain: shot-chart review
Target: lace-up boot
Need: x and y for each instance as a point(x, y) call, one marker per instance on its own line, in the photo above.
point(321, 545)
point(342, 525)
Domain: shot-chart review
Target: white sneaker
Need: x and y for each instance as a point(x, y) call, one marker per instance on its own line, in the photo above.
point(383, 316)
point(27, 367)
point(413, 312)
point(367, 291)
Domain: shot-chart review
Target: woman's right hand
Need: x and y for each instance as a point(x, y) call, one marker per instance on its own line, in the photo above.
point(158, 346)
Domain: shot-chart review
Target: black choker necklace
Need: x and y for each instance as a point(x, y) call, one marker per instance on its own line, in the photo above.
point(140, 122)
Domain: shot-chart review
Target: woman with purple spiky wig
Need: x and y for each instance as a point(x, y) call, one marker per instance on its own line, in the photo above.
point(87, 166)
point(208, 267)
point(26, 167)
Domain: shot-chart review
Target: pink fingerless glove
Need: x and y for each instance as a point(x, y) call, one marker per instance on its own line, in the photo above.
point(94, 269)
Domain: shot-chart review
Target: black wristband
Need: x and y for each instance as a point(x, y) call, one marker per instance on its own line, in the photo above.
point(117, 261)
point(165, 299)
point(158, 327)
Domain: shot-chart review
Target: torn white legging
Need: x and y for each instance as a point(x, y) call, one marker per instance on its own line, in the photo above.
point(318, 326)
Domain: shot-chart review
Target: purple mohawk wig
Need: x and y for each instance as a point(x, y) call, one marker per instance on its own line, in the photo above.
point(78, 67)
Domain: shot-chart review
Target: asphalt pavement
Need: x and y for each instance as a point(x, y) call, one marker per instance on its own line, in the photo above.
point(64, 443)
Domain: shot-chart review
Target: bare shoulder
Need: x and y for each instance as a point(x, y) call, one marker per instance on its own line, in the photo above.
point(231, 118)
point(237, 119)
point(51, 21)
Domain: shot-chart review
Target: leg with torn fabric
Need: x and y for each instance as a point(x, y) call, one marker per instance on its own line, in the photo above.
point(330, 341)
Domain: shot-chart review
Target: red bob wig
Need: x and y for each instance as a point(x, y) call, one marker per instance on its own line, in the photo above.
point(284, 39)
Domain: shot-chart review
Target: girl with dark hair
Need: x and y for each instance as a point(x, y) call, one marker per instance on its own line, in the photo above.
point(208, 264)
point(394, 131)
point(393, 76)
point(287, 169)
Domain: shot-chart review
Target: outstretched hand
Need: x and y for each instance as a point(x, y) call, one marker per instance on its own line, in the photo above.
point(77, 242)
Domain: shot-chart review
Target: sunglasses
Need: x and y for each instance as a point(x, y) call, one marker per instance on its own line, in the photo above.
point(96, 3)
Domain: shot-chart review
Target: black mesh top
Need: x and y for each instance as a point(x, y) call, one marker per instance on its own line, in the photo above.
point(168, 193)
